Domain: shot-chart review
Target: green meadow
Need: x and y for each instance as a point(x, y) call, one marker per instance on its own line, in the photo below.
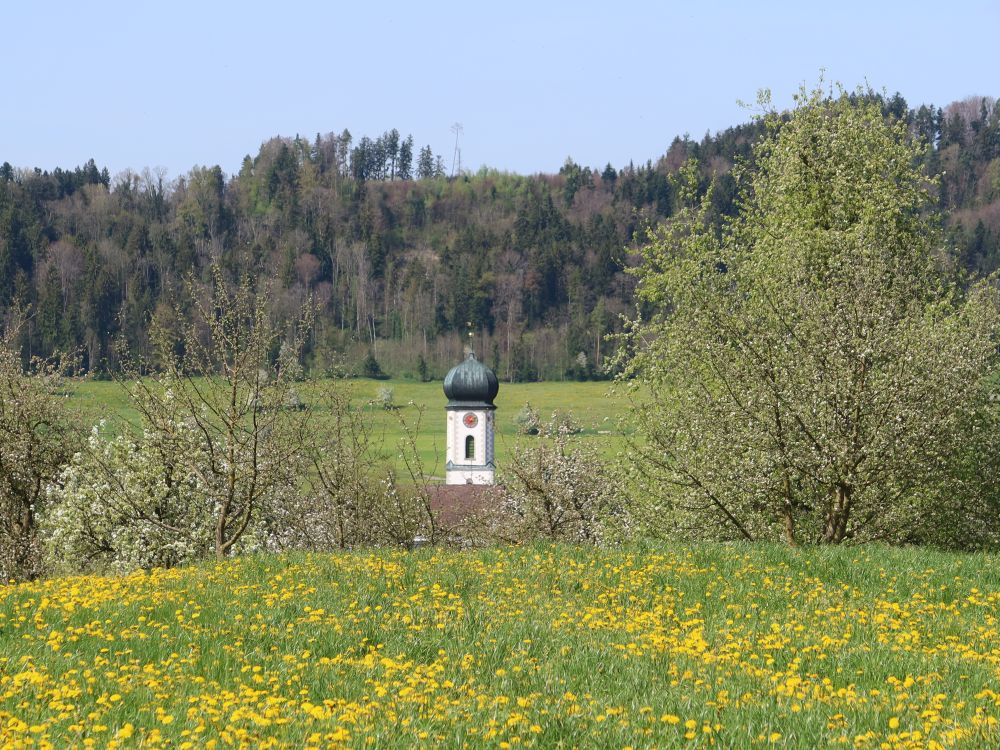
point(592, 405)
point(542, 646)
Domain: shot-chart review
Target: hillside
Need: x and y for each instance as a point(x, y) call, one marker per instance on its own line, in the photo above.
point(399, 258)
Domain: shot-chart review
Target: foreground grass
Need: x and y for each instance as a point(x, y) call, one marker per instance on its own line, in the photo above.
point(590, 404)
point(542, 647)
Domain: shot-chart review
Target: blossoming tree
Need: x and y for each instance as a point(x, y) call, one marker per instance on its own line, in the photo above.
point(817, 371)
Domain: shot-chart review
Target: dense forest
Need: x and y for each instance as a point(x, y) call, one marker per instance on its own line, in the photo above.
point(400, 259)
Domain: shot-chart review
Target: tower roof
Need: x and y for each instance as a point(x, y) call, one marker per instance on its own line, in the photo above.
point(471, 385)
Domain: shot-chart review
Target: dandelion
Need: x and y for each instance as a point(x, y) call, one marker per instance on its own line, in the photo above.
point(318, 651)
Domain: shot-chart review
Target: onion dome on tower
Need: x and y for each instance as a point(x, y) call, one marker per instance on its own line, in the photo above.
point(471, 385)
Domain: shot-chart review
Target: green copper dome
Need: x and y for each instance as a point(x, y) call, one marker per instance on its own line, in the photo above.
point(471, 385)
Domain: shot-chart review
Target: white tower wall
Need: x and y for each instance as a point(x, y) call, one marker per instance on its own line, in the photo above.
point(480, 467)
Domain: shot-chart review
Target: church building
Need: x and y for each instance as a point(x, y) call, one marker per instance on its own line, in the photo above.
point(470, 387)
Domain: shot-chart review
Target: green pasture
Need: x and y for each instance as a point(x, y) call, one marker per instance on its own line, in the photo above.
point(593, 406)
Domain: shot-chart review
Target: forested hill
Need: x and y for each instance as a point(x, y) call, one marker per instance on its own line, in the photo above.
point(399, 257)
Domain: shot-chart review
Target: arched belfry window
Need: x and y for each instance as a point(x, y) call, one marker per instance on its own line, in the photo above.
point(470, 447)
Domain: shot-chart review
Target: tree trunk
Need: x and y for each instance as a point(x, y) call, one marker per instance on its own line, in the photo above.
point(789, 521)
point(787, 507)
point(220, 538)
point(840, 510)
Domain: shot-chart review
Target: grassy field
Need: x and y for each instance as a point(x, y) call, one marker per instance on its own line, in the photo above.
point(590, 404)
point(547, 647)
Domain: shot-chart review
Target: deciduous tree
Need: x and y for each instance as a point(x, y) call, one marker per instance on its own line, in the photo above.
point(36, 438)
point(816, 372)
point(223, 436)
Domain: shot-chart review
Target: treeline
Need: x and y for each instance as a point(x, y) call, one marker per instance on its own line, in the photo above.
point(398, 258)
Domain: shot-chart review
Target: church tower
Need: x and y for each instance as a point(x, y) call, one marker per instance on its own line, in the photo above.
point(470, 387)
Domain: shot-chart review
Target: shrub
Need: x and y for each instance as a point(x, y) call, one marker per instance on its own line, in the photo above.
point(220, 450)
point(36, 438)
point(370, 368)
point(558, 489)
point(127, 503)
point(527, 420)
point(384, 398)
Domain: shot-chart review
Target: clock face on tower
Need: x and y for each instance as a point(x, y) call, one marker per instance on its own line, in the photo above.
point(470, 420)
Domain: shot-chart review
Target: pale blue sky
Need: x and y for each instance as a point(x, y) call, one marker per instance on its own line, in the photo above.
point(175, 84)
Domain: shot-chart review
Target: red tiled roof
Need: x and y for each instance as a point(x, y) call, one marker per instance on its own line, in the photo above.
point(455, 503)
